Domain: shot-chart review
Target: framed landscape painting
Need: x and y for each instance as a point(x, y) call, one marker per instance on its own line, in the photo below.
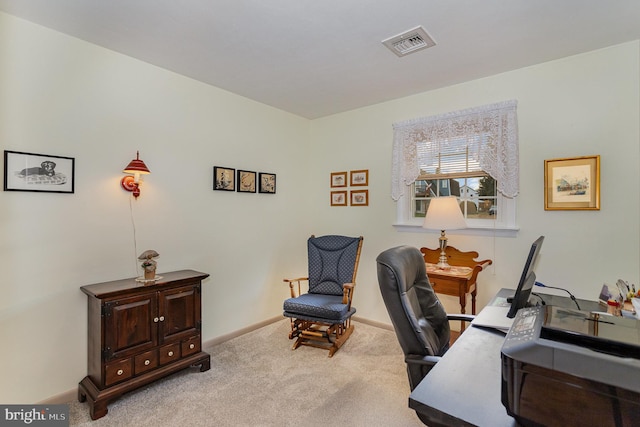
point(572, 183)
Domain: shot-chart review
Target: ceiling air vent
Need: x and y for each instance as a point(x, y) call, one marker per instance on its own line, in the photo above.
point(410, 41)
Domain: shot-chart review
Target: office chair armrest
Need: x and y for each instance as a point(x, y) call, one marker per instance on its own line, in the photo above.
point(415, 359)
point(462, 317)
point(291, 282)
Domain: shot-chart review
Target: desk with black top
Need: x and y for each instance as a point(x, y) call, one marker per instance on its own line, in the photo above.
point(464, 387)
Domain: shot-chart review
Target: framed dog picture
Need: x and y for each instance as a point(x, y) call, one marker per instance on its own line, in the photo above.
point(38, 172)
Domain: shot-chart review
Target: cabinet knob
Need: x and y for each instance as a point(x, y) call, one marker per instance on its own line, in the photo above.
point(170, 353)
point(155, 319)
point(120, 372)
point(192, 346)
point(162, 318)
point(147, 362)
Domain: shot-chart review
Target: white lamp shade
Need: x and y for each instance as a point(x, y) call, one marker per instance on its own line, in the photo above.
point(444, 214)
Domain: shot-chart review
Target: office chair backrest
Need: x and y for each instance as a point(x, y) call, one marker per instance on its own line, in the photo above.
point(418, 318)
point(332, 262)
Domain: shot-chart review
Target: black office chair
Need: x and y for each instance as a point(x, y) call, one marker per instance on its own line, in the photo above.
point(419, 320)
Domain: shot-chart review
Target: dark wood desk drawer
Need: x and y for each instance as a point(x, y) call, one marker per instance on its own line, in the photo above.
point(146, 361)
point(117, 371)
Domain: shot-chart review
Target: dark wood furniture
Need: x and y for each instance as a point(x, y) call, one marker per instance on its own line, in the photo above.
point(470, 372)
point(460, 280)
point(139, 333)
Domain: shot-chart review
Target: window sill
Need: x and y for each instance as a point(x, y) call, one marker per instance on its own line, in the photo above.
point(470, 231)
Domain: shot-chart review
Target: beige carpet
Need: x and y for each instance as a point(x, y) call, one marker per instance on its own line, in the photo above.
point(256, 380)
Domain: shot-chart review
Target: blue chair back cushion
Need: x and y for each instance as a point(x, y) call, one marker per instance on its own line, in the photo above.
point(332, 261)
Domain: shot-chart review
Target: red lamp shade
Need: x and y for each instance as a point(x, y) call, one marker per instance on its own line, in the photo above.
point(135, 167)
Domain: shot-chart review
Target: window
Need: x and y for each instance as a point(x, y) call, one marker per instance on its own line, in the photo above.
point(470, 154)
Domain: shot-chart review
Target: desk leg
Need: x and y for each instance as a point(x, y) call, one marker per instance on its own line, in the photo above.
point(463, 303)
point(473, 300)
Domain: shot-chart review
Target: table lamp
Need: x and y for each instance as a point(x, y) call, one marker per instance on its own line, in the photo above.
point(444, 214)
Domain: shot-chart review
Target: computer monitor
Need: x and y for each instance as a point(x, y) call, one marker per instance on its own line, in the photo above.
point(527, 280)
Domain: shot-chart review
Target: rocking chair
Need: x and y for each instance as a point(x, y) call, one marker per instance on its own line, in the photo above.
point(322, 317)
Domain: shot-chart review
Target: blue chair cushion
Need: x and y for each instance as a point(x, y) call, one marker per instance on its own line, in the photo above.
point(331, 263)
point(318, 307)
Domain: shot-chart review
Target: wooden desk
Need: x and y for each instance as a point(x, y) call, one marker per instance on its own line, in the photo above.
point(460, 280)
point(464, 387)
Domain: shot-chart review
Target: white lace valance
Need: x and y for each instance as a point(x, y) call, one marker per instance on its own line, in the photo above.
point(496, 124)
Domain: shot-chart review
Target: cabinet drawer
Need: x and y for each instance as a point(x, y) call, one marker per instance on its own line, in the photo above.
point(445, 286)
point(117, 371)
point(190, 346)
point(145, 361)
point(169, 353)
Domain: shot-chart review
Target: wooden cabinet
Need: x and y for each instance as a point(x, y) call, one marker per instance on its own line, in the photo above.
point(139, 333)
point(458, 281)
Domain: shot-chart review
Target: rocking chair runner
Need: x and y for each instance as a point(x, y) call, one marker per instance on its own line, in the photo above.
point(322, 317)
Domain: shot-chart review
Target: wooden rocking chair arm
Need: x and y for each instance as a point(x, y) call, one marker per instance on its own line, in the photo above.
point(299, 279)
point(291, 284)
point(347, 293)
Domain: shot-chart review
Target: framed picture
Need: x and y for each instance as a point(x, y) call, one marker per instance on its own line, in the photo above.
point(359, 178)
point(360, 198)
point(224, 178)
point(572, 183)
point(38, 172)
point(267, 183)
point(338, 198)
point(246, 181)
point(338, 179)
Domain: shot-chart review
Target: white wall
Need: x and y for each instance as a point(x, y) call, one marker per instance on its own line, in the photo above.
point(582, 105)
point(61, 96)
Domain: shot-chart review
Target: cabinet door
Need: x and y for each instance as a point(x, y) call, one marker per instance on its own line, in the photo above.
point(130, 325)
point(180, 312)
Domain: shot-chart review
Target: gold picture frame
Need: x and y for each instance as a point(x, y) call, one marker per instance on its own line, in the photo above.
point(359, 178)
point(338, 198)
point(338, 179)
point(572, 183)
point(359, 197)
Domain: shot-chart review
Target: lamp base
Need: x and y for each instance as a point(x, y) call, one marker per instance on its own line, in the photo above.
point(442, 261)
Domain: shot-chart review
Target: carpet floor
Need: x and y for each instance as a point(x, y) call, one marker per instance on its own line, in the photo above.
point(256, 380)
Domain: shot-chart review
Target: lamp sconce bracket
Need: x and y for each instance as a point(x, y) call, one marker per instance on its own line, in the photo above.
point(129, 184)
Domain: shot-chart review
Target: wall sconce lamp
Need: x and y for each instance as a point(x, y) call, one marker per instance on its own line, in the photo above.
point(444, 214)
point(135, 167)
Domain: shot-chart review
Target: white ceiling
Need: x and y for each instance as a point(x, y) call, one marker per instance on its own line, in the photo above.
point(314, 58)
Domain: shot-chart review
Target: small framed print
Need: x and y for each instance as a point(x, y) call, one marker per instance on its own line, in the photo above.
point(38, 172)
point(267, 183)
point(246, 181)
point(572, 183)
point(224, 179)
point(338, 198)
point(338, 179)
point(359, 197)
point(359, 178)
